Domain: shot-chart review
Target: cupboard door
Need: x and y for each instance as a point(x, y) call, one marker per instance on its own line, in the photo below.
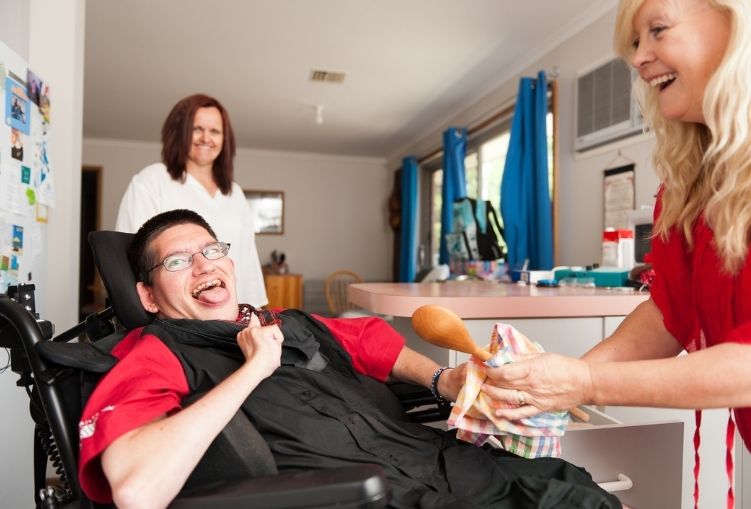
point(284, 290)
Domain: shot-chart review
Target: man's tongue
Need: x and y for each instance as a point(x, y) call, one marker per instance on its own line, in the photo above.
point(213, 295)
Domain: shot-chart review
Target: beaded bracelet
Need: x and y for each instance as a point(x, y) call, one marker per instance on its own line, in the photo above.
point(434, 384)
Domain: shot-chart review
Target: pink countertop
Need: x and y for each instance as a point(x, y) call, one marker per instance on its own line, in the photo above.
point(482, 299)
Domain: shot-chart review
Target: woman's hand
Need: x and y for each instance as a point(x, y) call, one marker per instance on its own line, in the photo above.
point(261, 345)
point(539, 383)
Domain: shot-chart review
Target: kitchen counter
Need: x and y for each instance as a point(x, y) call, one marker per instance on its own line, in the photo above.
point(483, 299)
point(567, 320)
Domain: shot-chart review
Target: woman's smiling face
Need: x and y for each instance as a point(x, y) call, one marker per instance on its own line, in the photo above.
point(208, 137)
point(678, 46)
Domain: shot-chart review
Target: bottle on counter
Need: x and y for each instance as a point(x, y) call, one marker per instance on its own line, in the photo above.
point(618, 248)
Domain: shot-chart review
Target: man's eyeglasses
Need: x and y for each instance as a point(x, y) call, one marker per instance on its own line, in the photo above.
point(180, 261)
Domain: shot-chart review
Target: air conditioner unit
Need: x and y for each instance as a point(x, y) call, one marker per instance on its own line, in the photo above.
point(605, 109)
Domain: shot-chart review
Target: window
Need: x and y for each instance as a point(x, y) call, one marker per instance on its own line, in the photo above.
point(483, 171)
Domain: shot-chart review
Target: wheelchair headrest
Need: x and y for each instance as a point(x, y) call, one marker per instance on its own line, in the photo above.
point(110, 255)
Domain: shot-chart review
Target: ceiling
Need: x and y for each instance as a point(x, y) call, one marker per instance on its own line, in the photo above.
point(410, 64)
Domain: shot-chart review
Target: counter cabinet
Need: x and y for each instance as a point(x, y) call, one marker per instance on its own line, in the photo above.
point(284, 290)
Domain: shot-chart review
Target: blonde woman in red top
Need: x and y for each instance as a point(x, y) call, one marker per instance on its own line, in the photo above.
point(694, 63)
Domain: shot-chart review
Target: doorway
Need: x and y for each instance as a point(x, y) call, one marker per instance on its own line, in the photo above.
point(90, 289)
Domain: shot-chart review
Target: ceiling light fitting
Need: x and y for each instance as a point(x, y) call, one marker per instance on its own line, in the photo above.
point(319, 114)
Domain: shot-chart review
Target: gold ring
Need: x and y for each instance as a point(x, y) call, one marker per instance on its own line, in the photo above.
point(519, 398)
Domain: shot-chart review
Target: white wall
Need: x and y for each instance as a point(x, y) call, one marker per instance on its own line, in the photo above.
point(334, 207)
point(14, 24)
point(580, 176)
point(56, 52)
point(49, 34)
point(16, 481)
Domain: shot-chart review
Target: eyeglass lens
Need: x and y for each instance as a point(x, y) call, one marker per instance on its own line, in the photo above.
point(180, 261)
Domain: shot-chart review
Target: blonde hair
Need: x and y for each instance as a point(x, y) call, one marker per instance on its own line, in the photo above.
point(704, 168)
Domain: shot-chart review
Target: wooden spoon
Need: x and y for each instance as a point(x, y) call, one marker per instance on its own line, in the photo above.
point(442, 327)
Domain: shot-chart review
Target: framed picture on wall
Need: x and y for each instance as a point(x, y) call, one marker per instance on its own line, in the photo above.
point(619, 193)
point(268, 210)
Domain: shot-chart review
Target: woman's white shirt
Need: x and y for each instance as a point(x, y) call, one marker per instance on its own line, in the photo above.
point(153, 190)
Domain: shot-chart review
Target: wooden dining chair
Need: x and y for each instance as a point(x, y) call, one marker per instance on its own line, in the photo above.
point(336, 290)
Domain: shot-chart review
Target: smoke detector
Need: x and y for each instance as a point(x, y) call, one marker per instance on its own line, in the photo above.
point(321, 76)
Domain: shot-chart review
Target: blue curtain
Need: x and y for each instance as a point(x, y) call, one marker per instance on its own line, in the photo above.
point(454, 184)
point(408, 253)
point(525, 198)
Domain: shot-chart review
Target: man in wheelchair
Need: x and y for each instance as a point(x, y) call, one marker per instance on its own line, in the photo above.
point(310, 387)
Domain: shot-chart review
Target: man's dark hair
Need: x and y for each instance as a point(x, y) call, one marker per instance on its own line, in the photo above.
point(177, 138)
point(140, 255)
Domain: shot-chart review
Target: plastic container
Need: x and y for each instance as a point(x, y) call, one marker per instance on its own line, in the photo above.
point(618, 248)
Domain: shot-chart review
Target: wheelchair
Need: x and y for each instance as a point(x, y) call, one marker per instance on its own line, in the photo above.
point(59, 371)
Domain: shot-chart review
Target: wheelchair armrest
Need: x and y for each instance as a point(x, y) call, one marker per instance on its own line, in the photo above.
point(419, 403)
point(363, 486)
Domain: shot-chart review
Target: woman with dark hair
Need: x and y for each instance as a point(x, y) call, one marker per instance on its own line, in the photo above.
point(196, 172)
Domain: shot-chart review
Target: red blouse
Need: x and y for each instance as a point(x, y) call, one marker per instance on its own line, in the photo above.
point(700, 303)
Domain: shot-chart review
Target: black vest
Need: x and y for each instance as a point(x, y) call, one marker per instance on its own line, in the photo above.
point(316, 412)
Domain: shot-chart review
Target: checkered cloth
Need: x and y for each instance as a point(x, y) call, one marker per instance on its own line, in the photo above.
point(472, 414)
